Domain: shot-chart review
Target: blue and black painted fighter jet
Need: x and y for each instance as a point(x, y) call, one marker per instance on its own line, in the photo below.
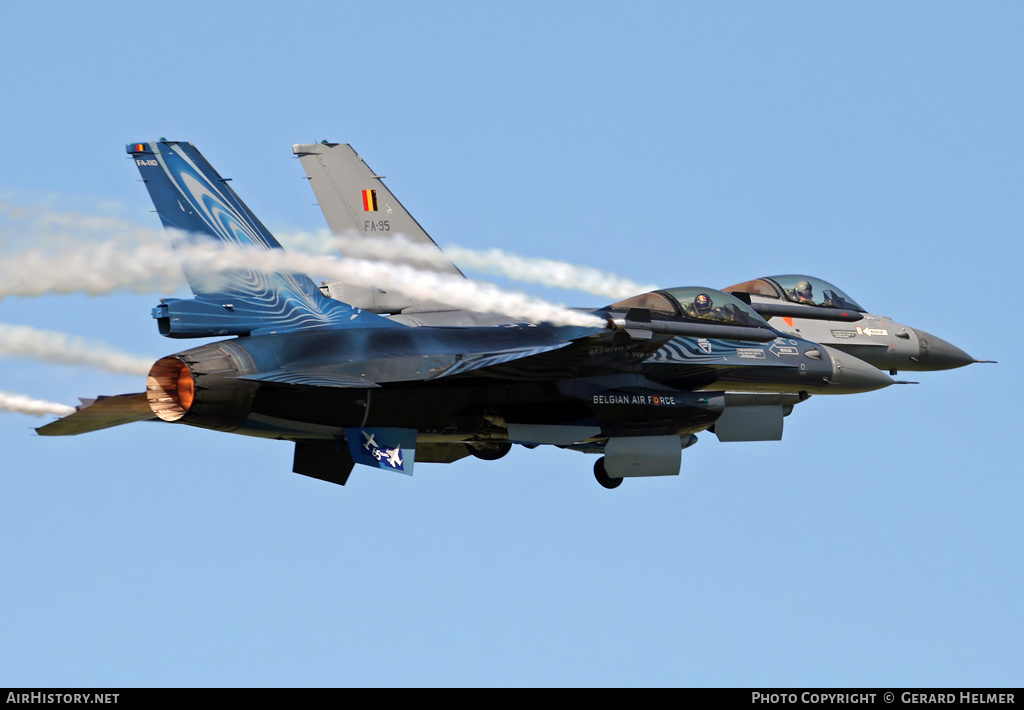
point(633, 384)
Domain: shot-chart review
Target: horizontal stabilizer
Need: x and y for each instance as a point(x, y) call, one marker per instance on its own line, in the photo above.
point(311, 379)
point(102, 413)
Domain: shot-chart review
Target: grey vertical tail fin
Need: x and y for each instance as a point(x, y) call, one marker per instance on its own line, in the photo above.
point(359, 207)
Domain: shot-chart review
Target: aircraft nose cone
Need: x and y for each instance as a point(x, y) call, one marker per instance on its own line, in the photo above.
point(850, 375)
point(937, 354)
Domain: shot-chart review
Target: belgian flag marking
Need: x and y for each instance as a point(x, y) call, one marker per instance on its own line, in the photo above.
point(370, 200)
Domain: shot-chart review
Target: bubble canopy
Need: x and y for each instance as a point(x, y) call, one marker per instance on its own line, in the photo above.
point(695, 302)
point(798, 288)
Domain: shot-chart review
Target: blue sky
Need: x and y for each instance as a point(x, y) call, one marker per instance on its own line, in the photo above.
point(876, 145)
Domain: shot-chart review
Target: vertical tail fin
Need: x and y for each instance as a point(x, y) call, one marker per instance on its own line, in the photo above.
point(190, 196)
point(358, 206)
point(354, 200)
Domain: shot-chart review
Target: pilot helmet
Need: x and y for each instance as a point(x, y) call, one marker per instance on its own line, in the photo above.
point(804, 291)
point(702, 303)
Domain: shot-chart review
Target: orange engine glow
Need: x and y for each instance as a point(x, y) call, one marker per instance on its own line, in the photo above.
point(170, 389)
point(186, 388)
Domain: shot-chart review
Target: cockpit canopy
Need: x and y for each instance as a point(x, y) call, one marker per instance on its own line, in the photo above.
point(797, 288)
point(705, 304)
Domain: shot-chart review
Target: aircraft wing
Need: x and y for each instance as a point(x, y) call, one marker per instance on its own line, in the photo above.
point(101, 413)
point(312, 379)
point(375, 372)
point(480, 361)
point(563, 358)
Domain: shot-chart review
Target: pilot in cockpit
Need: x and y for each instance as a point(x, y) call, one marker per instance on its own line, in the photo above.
point(802, 292)
point(704, 308)
point(701, 307)
point(702, 303)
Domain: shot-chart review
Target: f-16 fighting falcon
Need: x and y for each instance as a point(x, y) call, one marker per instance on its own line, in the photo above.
point(805, 306)
point(817, 310)
point(632, 382)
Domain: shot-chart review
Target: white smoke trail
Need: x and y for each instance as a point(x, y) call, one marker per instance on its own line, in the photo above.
point(154, 269)
point(78, 253)
point(210, 261)
point(92, 269)
point(548, 272)
point(400, 249)
point(133, 259)
point(11, 402)
point(50, 346)
point(113, 237)
point(40, 227)
point(320, 242)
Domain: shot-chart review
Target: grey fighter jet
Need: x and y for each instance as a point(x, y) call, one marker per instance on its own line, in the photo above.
point(815, 309)
point(632, 382)
point(806, 306)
